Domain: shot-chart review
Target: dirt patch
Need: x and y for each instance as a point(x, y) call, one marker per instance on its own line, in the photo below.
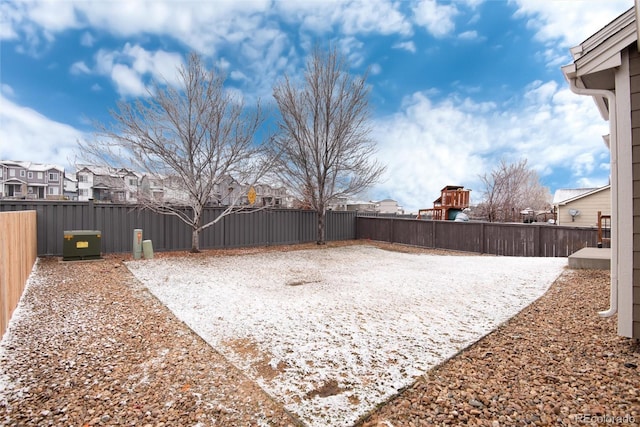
point(260, 360)
point(330, 388)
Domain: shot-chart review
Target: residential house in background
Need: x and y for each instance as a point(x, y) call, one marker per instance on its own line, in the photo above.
point(153, 187)
point(29, 180)
point(579, 207)
point(277, 197)
point(70, 187)
point(228, 192)
point(386, 206)
point(606, 67)
point(106, 184)
point(389, 206)
point(361, 206)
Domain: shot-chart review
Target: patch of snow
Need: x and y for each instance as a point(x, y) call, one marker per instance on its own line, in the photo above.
point(21, 314)
point(332, 333)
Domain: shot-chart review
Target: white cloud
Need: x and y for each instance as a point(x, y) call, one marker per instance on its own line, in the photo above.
point(161, 65)
point(127, 81)
point(199, 25)
point(428, 144)
point(408, 45)
point(373, 16)
point(563, 24)
point(7, 90)
point(351, 48)
point(133, 67)
point(253, 28)
point(436, 18)
point(87, 39)
point(569, 22)
point(10, 19)
point(28, 135)
point(359, 16)
point(237, 75)
point(468, 35)
point(223, 64)
point(53, 16)
point(79, 68)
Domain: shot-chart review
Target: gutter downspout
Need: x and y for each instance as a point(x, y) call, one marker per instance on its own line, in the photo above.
point(613, 146)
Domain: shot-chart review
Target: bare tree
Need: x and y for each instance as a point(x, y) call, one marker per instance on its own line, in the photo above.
point(323, 140)
point(196, 139)
point(509, 189)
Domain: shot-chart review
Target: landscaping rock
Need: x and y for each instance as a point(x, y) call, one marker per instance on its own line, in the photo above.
point(90, 346)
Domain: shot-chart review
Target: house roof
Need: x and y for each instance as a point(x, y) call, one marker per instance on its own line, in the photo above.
point(596, 58)
point(564, 196)
point(108, 182)
point(452, 187)
point(14, 180)
point(35, 167)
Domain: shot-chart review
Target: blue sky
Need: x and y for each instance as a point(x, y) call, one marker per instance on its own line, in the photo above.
point(455, 86)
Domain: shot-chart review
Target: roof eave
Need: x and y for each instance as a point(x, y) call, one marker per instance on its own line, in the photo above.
point(581, 196)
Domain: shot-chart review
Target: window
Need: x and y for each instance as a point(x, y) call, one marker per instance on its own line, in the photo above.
point(30, 175)
point(53, 176)
point(0, 172)
point(83, 178)
point(22, 173)
point(133, 181)
point(53, 191)
point(12, 172)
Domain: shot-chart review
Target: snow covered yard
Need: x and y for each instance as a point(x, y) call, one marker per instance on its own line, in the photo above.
point(331, 333)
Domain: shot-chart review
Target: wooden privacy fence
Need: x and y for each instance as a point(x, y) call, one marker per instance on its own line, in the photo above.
point(117, 222)
point(527, 240)
point(18, 252)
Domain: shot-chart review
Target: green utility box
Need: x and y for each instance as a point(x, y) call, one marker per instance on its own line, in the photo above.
point(81, 244)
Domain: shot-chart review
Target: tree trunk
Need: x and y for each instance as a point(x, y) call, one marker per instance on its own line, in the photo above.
point(321, 226)
point(195, 241)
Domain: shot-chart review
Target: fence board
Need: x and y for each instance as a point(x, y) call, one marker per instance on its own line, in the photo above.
point(18, 251)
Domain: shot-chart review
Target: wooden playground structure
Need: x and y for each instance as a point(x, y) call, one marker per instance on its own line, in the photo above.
point(453, 199)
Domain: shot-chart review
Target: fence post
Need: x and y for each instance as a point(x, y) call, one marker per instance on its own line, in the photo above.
point(481, 238)
point(391, 231)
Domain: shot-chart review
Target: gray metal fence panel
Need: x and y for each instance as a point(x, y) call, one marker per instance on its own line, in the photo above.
point(169, 233)
point(341, 225)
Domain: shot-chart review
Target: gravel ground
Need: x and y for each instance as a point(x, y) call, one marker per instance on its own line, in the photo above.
point(89, 346)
